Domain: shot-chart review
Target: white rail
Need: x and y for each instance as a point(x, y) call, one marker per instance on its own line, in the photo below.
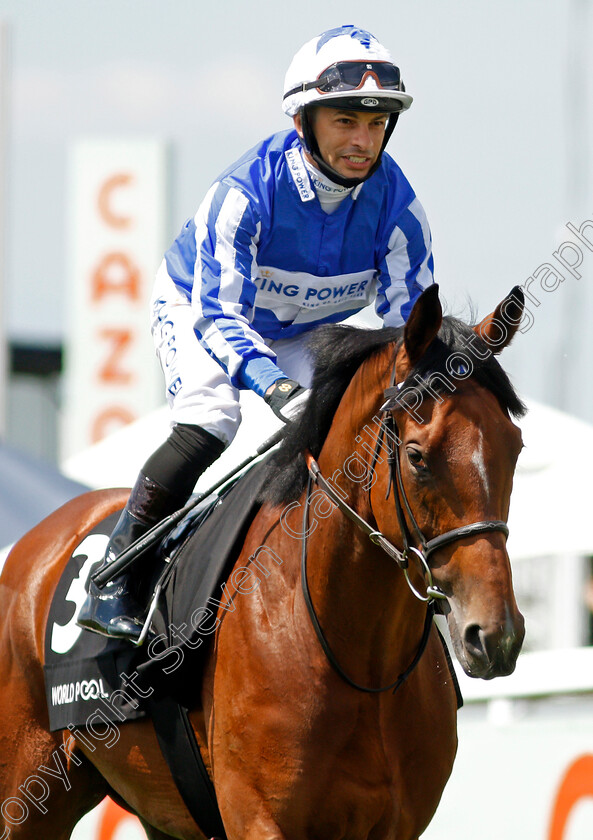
point(541, 674)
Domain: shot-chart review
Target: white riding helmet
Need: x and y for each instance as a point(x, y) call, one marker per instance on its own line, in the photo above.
point(349, 64)
point(344, 68)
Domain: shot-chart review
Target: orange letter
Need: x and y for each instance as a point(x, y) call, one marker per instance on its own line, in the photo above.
point(115, 273)
point(109, 420)
point(576, 784)
point(112, 817)
point(104, 201)
point(111, 371)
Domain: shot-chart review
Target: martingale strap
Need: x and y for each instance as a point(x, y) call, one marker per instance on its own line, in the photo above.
point(430, 606)
point(315, 621)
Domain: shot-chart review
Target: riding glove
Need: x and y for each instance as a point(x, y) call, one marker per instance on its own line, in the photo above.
point(287, 399)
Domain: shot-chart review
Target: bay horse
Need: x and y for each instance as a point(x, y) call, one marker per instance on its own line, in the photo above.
point(410, 430)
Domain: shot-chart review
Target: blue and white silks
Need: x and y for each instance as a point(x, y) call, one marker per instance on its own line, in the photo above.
point(262, 261)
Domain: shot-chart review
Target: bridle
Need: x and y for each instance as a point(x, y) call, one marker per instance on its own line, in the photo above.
point(422, 551)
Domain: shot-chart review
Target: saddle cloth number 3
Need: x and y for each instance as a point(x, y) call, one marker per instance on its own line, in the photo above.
point(64, 637)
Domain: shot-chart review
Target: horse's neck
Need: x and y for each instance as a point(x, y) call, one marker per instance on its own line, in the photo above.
point(363, 601)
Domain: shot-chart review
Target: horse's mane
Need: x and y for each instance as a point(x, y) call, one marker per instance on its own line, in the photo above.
point(338, 351)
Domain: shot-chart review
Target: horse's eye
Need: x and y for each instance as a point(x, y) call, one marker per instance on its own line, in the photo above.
point(416, 458)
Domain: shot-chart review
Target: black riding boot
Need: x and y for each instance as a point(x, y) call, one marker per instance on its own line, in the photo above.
point(113, 609)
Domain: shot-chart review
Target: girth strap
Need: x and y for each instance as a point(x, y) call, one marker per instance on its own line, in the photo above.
point(182, 753)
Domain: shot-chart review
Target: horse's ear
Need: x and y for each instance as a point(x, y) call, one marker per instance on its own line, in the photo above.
point(423, 324)
point(498, 329)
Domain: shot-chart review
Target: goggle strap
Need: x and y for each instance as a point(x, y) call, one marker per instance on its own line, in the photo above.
point(302, 88)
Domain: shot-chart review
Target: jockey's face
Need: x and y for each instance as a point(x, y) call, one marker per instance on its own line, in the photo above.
point(349, 141)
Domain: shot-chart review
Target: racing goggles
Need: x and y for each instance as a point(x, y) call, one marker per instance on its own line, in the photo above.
point(346, 76)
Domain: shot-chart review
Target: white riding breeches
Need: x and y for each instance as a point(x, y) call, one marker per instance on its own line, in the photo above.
point(198, 389)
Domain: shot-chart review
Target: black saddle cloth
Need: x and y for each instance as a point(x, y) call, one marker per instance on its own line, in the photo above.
point(85, 671)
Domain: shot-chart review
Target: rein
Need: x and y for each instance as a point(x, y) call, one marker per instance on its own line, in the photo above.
point(389, 430)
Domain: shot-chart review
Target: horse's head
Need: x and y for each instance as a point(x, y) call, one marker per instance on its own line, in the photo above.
point(452, 410)
point(458, 453)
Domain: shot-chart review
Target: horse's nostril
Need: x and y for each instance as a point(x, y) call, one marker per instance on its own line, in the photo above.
point(474, 640)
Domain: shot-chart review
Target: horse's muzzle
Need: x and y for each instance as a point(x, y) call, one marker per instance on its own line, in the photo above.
point(488, 652)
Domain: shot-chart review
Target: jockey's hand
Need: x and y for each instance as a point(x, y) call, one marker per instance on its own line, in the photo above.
point(286, 398)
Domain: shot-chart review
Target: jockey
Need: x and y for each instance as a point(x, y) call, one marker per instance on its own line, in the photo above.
point(307, 228)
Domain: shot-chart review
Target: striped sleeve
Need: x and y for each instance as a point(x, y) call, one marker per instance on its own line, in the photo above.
point(407, 268)
point(227, 231)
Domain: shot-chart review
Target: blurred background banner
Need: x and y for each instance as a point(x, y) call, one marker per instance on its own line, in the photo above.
point(3, 140)
point(116, 237)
